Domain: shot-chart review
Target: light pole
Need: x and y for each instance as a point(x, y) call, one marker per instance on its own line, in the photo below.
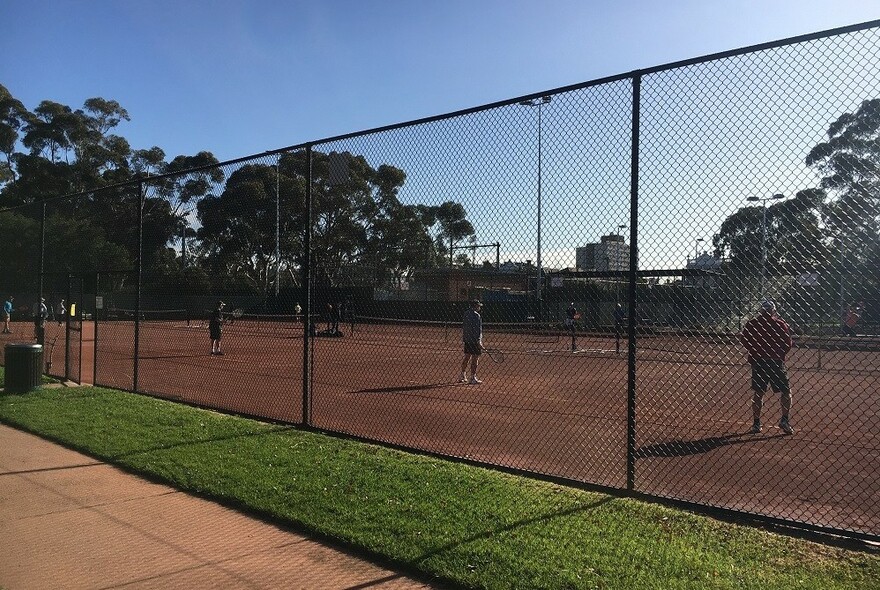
point(538, 102)
point(763, 201)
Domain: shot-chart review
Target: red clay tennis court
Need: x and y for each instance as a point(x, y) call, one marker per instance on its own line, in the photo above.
point(547, 409)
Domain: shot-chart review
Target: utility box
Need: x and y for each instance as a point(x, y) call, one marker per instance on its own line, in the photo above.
point(24, 367)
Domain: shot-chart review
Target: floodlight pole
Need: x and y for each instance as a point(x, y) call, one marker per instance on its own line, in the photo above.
point(538, 102)
point(763, 201)
point(697, 248)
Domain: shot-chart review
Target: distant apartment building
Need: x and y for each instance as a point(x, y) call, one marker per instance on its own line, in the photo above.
point(611, 253)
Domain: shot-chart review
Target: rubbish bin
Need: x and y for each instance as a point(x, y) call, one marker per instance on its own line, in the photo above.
point(24, 367)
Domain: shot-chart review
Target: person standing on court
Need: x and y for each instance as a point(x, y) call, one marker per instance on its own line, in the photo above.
point(619, 317)
point(62, 313)
point(7, 314)
point(850, 319)
point(337, 315)
point(472, 335)
point(215, 327)
point(41, 312)
point(767, 339)
point(349, 313)
point(571, 316)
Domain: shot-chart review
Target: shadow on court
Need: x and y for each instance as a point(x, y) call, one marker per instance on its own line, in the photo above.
point(409, 388)
point(683, 448)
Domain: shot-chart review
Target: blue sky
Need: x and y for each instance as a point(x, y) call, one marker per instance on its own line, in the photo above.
point(237, 77)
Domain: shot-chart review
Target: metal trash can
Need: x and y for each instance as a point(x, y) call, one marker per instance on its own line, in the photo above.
point(24, 367)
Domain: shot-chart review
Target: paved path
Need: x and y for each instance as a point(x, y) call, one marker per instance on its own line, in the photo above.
point(70, 521)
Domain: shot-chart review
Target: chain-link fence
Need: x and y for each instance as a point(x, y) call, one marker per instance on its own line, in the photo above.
point(625, 238)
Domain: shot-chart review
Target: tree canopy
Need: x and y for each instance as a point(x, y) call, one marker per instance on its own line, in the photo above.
point(201, 219)
point(830, 230)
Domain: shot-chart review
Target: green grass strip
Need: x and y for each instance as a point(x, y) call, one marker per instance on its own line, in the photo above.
point(475, 527)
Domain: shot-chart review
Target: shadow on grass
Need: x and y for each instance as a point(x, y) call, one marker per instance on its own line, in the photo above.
point(512, 526)
point(200, 441)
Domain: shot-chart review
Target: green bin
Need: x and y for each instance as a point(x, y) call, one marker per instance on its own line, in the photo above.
point(24, 367)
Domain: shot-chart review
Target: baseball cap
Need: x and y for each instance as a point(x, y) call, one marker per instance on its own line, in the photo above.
point(221, 304)
point(476, 302)
point(768, 305)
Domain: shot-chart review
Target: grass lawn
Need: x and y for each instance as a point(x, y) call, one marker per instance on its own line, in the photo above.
point(463, 525)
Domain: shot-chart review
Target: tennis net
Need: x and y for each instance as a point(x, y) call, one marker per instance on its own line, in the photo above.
point(148, 315)
point(500, 333)
point(268, 325)
point(808, 352)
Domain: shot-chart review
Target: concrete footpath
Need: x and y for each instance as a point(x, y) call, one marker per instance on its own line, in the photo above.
point(70, 521)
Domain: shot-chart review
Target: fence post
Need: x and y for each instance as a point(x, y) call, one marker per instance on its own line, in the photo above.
point(307, 295)
point(69, 296)
point(140, 268)
point(631, 288)
point(41, 333)
point(97, 322)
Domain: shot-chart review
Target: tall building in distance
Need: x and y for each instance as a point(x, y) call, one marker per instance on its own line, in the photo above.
point(611, 253)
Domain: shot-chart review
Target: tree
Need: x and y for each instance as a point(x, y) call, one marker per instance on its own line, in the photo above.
point(237, 231)
point(357, 220)
point(13, 116)
point(849, 163)
point(71, 246)
point(830, 230)
point(449, 220)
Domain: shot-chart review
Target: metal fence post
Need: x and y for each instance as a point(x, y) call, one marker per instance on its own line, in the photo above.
point(306, 281)
point(67, 329)
point(140, 268)
point(631, 296)
point(40, 334)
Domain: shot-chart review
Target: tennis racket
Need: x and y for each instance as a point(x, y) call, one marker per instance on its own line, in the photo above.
point(494, 354)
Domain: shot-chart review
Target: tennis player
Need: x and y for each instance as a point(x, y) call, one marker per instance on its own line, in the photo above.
point(7, 314)
point(571, 316)
point(767, 339)
point(41, 313)
point(472, 335)
point(215, 328)
point(851, 319)
point(619, 317)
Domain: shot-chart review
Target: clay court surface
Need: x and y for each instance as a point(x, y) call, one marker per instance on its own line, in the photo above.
point(547, 409)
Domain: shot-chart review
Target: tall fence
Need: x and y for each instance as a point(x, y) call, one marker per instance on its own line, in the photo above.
point(621, 234)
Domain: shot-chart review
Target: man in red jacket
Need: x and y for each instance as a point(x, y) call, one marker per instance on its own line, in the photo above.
point(767, 339)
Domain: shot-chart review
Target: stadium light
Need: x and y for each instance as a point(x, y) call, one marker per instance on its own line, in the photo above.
point(763, 201)
point(538, 102)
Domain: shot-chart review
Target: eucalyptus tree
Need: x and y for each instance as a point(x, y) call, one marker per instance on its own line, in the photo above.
point(849, 165)
point(13, 116)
